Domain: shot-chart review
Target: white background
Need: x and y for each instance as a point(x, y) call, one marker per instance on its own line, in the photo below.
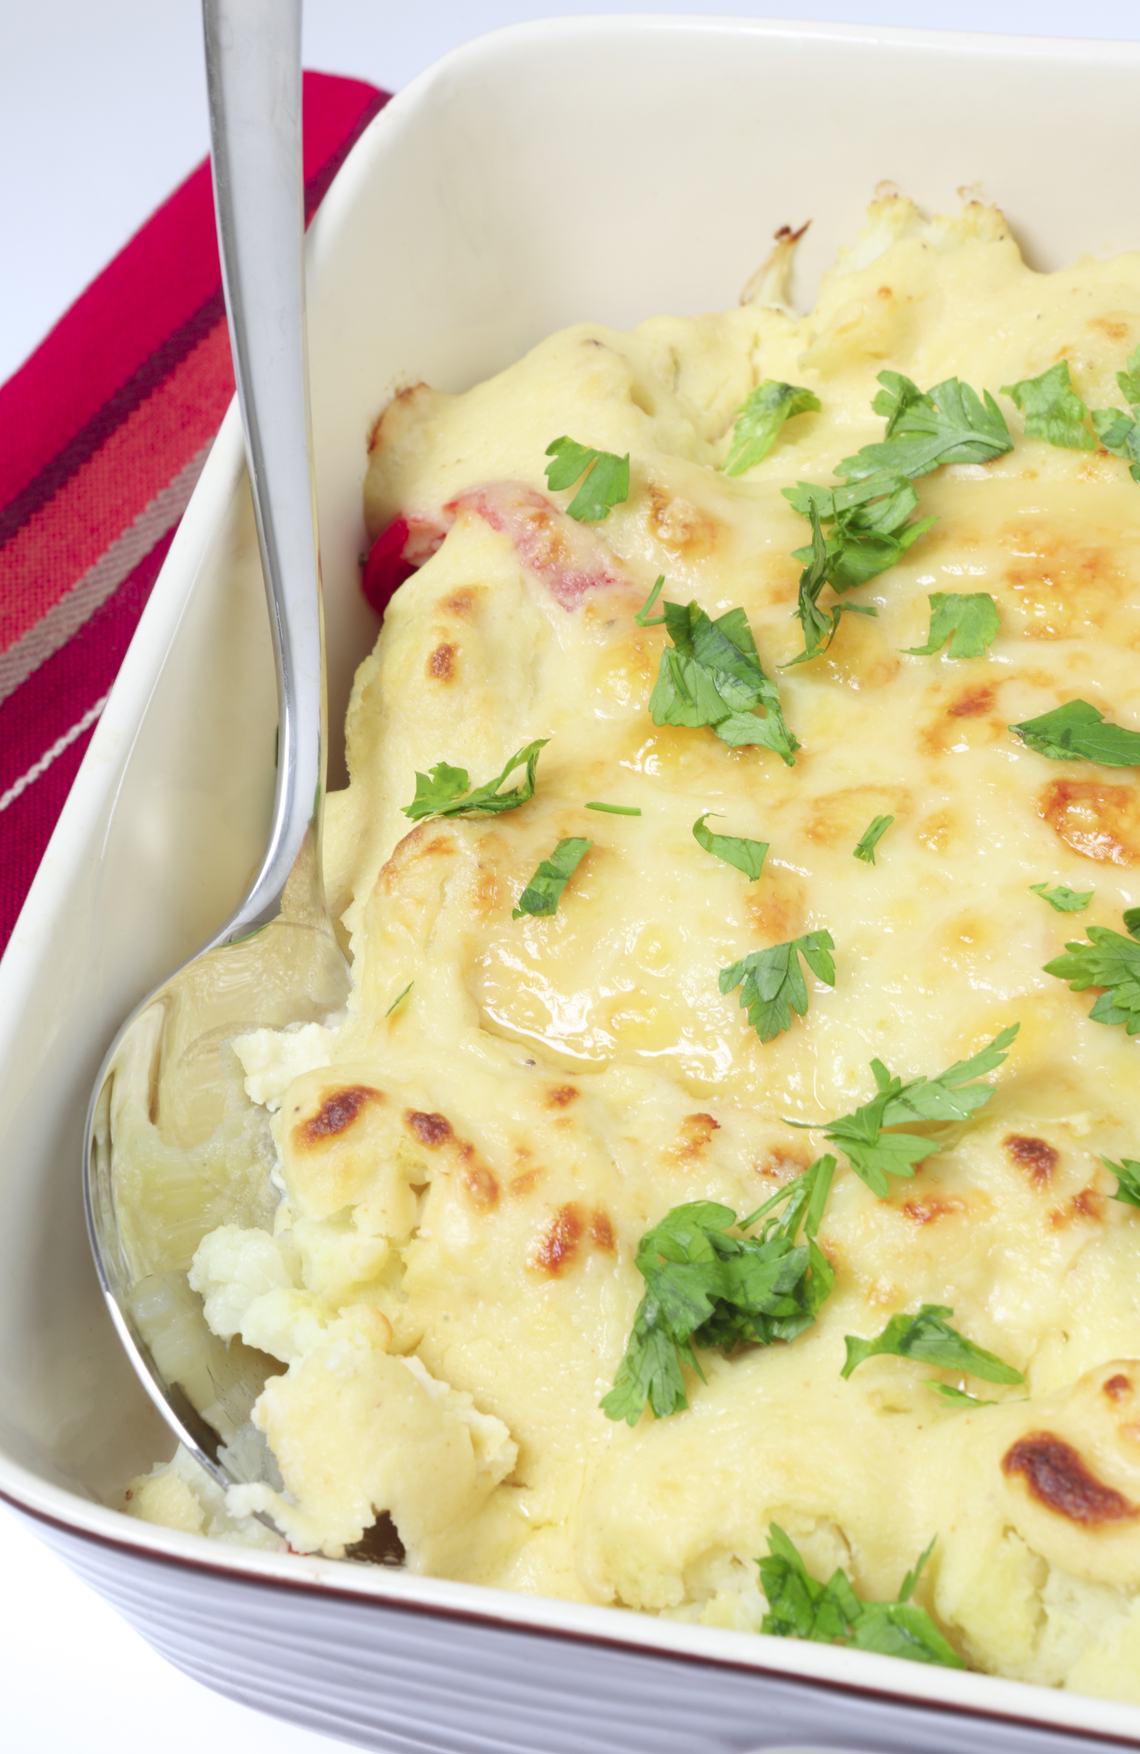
point(102, 112)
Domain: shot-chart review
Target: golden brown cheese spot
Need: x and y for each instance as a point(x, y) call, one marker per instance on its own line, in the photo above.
point(1035, 1156)
point(1117, 1388)
point(838, 818)
point(525, 1183)
point(683, 528)
point(696, 1131)
point(1063, 585)
point(426, 841)
point(1057, 1477)
point(335, 1115)
point(775, 907)
point(460, 604)
point(562, 1096)
point(927, 1211)
point(480, 1186)
point(782, 1164)
point(1116, 328)
point(1087, 1204)
point(431, 1130)
point(938, 831)
point(972, 703)
point(602, 1231)
point(559, 1245)
point(1099, 822)
point(441, 664)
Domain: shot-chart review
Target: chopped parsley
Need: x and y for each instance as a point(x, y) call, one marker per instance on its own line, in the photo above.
point(968, 619)
point(614, 809)
point(929, 1338)
point(873, 1152)
point(871, 837)
point(712, 675)
point(1063, 900)
point(820, 626)
point(799, 1607)
point(400, 997)
point(446, 791)
point(606, 484)
point(1077, 731)
point(706, 1288)
point(868, 531)
point(745, 855)
point(1106, 959)
point(1053, 411)
point(946, 424)
point(959, 1397)
point(759, 419)
point(544, 891)
point(772, 982)
point(1127, 1173)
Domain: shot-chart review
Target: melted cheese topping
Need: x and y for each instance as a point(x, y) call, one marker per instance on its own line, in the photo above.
point(468, 1174)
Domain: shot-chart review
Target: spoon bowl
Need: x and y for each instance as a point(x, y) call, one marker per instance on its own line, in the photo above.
point(173, 1149)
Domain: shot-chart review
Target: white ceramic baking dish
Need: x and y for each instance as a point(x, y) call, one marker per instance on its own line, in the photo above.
point(592, 168)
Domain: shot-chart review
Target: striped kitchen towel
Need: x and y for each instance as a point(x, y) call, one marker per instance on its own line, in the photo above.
point(106, 428)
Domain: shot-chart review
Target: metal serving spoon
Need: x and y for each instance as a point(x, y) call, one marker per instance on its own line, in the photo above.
point(172, 1148)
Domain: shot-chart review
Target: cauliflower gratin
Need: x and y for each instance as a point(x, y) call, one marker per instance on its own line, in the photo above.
point(729, 1151)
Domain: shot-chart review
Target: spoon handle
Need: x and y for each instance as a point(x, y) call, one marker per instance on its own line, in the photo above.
point(253, 71)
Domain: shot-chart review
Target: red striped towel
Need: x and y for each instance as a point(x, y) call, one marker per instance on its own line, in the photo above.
point(106, 428)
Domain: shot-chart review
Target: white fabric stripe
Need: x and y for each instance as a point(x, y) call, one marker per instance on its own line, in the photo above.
point(66, 617)
point(57, 749)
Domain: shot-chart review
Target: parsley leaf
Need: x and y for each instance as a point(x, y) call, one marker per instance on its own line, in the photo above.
point(705, 1288)
point(1053, 410)
point(799, 1607)
point(772, 982)
point(1064, 901)
point(1119, 432)
point(968, 619)
point(1127, 1174)
point(712, 675)
point(954, 1095)
point(759, 419)
point(606, 483)
point(614, 809)
point(926, 1336)
point(820, 625)
point(870, 530)
point(446, 791)
point(959, 1396)
point(1078, 730)
point(871, 837)
point(745, 855)
point(1107, 959)
point(544, 891)
point(946, 424)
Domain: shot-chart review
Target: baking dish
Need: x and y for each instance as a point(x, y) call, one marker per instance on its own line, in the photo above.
point(606, 169)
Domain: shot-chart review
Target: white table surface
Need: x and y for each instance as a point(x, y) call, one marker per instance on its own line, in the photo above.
point(102, 112)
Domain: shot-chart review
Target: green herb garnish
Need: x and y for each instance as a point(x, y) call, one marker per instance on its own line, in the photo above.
point(959, 1397)
point(930, 1339)
point(871, 837)
point(867, 525)
point(759, 419)
point(1077, 731)
point(606, 484)
point(799, 1607)
point(968, 619)
point(873, 1152)
point(1127, 1174)
point(946, 424)
point(1064, 901)
point(745, 855)
point(712, 675)
point(544, 891)
point(614, 809)
point(446, 791)
point(772, 982)
point(1106, 959)
point(820, 626)
point(1053, 410)
point(705, 1288)
point(400, 997)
